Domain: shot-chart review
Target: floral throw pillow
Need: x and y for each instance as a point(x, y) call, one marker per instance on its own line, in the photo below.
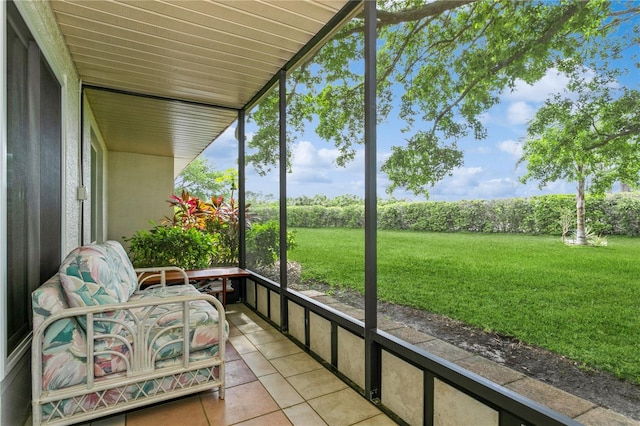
point(123, 265)
point(88, 277)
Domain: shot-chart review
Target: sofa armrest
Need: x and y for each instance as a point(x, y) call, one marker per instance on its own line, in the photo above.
point(157, 276)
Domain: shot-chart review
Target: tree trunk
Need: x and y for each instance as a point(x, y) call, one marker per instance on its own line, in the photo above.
point(580, 212)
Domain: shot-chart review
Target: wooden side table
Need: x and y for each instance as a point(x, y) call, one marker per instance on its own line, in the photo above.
point(202, 276)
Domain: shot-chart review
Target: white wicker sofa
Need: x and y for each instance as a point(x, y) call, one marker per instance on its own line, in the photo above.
point(102, 345)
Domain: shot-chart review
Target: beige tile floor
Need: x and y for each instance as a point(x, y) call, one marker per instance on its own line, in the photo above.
point(270, 381)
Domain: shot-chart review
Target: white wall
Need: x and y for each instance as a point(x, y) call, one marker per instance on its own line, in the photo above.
point(138, 189)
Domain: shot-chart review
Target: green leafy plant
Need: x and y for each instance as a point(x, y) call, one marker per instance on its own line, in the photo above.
point(263, 243)
point(163, 245)
point(592, 238)
point(614, 214)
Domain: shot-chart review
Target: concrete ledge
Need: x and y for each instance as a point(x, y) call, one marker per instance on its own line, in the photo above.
point(602, 416)
point(554, 398)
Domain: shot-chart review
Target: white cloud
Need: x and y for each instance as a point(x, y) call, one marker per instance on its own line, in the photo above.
point(464, 175)
point(223, 152)
point(511, 147)
point(479, 150)
point(469, 171)
point(485, 118)
point(473, 183)
point(457, 185)
point(520, 112)
point(314, 171)
point(309, 176)
point(558, 187)
point(497, 188)
point(306, 155)
point(311, 165)
point(552, 82)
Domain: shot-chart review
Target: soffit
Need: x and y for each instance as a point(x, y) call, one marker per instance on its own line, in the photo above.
point(143, 125)
point(213, 53)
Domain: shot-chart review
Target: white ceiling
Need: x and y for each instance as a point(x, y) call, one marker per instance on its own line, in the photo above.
point(207, 54)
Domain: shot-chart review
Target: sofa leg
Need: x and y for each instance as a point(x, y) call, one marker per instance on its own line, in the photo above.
point(221, 392)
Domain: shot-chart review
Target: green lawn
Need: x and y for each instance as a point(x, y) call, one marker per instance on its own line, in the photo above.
point(582, 302)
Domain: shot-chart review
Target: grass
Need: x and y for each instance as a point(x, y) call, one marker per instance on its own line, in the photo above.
point(581, 302)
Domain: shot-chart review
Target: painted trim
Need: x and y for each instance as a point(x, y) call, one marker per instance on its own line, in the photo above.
point(44, 28)
point(157, 97)
point(3, 189)
point(89, 125)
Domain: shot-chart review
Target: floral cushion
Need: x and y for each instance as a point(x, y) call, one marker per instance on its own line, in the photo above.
point(46, 300)
point(64, 349)
point(88, 278)
point(164, 322)
point(123, 266)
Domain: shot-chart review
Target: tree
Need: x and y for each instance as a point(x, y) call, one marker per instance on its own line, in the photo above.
point(201, 180)
point(450, 59)
point(589, 135)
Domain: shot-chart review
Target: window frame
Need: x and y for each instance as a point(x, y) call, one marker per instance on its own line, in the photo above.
point(96, 186)
point(10, 10)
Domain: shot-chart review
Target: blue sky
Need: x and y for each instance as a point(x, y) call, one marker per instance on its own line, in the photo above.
point(489, 170)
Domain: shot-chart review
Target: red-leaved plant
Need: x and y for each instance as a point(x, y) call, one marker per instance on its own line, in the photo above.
point(219, 218)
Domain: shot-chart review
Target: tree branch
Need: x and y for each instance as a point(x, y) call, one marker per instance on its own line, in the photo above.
point(400, 51)
point(634, 130)
point(623, 15)
point(393, 18)
point(428, 9)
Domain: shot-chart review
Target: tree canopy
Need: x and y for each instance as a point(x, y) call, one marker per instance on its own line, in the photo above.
point(594, 138)
point(450, 61)
point(201, 180)
point(590, 135)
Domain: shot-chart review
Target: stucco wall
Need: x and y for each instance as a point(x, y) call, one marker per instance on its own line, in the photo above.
point(138, 189)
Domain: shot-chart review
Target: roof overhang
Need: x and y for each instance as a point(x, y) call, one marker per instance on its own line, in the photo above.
point(168, 77)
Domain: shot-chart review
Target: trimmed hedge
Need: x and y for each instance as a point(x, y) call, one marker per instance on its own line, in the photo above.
point(615, 214)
